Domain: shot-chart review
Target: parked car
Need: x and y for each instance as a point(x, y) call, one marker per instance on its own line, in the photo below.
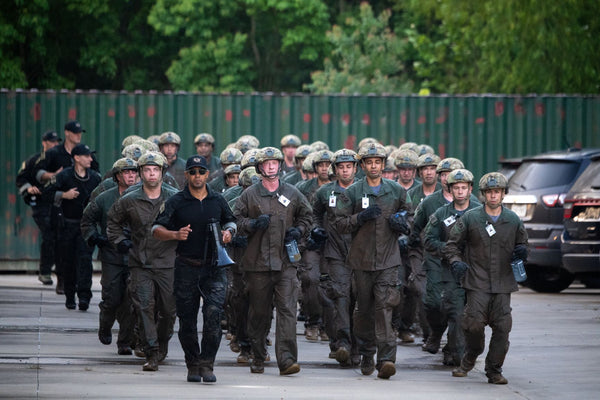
point(536, 194)
point(580, 241)
point(509, 166)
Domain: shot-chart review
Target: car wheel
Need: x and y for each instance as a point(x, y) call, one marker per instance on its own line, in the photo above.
point(548, 280)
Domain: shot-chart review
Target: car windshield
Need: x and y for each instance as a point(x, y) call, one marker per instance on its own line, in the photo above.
point(590, 179)
point(533, 175)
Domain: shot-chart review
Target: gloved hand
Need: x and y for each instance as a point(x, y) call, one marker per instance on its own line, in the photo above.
point(403, 244)
point(292, 233)
point(459, 268)
point(368, 214)
point(239, 241)
point(99, 240)
point(124, 246)
point(399, 223)
point(319, 235)
point(520, 253)
point(312, 245)
point(260, 223)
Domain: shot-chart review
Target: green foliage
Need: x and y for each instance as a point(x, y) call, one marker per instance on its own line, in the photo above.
point(244, 44)
point(393, 46)
point(367, 57)
point(509, 46)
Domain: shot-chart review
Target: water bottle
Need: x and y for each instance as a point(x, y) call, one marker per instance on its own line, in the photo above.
point(519, 270)
point(292, 251)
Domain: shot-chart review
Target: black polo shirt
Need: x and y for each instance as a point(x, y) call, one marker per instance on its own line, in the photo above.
point(183, 209)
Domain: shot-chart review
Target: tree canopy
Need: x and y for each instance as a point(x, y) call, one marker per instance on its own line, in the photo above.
point(321, 46)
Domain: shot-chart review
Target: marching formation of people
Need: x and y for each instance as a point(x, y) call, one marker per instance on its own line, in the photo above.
point(368, 247)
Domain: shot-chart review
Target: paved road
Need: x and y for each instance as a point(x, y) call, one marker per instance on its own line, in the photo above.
point(47, 352)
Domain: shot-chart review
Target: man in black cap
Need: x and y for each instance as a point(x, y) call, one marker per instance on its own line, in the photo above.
point(53, 162)
point(31, 191)
point(70, 190)
point(60, 156)
point(187, 218)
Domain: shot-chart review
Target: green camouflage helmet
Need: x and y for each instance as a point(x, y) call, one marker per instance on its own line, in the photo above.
point(307, 164)
point(249, 158)
point(153, 138)
point(268, 153)
point(130, 140)
point(372, 150)
point(169, 137)
point(412, 146)
point(247, 142)
point(232, 169)
point(302, 151)
point(390, 165)
point(318, 146)
point(204, 138)
point(493, 180)
point(459, 175)
point(366, 141)
point(249, 177)
point(124, 164)
point(390, 148)
point(428, 160)
point(449, 164)
point(231, 156)
point(147, 145)
point(290, 140)
point(322, 156)
point(345, 155)
point(425, 149)
point(153, 158)
point(406, 159)
point(133, 151)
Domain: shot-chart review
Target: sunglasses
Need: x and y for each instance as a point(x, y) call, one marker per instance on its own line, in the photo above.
point(200, 171)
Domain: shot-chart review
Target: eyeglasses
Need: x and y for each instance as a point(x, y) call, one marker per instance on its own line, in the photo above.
point(200, 171)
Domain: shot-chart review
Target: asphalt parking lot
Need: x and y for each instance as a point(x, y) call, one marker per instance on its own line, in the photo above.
point(47, 351)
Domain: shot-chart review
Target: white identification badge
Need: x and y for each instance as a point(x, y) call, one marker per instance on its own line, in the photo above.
point(332, 200)
point(365, 202)
point(284, 200)
point(450, 220)
point(490, 230)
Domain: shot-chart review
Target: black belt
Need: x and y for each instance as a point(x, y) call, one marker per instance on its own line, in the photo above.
point(194, 262)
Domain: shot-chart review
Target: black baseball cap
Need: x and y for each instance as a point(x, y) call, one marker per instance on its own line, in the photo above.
point(74, 126)
point(51, 136)
point(196, 162)
point(81, 150)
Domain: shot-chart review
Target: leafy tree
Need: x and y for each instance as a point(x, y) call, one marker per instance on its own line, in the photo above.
point(509, 46)
point(367, 57)
point(243, 45)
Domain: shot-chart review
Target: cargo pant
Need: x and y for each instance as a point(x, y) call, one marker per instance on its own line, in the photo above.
point(116, 303)
point(483, 309)
point(281, 289)
point(152, 295)
point(376, 296)
point(192, 284)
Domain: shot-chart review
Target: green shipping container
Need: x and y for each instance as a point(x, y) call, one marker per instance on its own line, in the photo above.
point(478, 129)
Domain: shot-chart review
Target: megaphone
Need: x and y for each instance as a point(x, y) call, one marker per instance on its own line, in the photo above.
point(223, 259)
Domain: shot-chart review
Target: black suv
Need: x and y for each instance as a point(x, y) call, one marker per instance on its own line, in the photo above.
point(536, 194)
point(581, 236)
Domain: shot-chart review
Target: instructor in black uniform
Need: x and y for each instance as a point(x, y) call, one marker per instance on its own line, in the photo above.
point(70, 191)
point(186, 218)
